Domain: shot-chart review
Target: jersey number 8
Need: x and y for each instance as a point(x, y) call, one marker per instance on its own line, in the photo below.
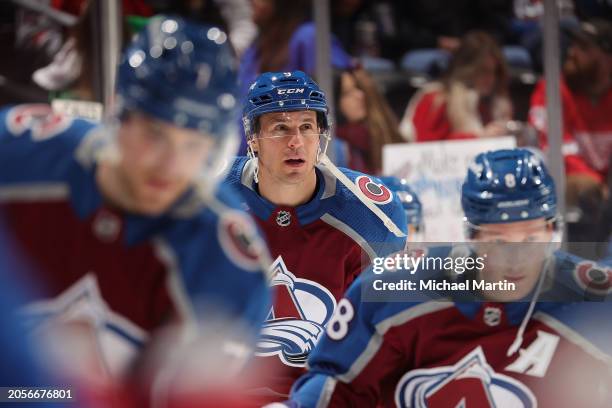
point(337, 327)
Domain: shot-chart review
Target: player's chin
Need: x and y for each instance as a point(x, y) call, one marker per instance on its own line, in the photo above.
point(154, 204)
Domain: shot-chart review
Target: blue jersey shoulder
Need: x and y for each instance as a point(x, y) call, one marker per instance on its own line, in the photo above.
point(336, 202)
point(349, 209)
point(234, 175)
point(222, 257)
point(576, 278)
point(582, 296)
point(38, 145)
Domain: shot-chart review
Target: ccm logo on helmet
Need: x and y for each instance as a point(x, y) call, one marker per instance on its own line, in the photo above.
point(291, 91)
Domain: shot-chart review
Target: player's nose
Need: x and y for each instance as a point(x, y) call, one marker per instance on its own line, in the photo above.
point(169, 163)
point(295, 140)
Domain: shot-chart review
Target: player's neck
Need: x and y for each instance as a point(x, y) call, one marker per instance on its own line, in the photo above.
point(291, 195)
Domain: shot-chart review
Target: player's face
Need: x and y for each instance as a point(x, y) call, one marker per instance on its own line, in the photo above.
point(287, 146)
point(159, 161)
point(515, 252)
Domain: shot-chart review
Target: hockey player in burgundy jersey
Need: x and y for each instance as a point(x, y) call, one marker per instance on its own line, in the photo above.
point(538, 345)
point(124, 233)
point(323, 225)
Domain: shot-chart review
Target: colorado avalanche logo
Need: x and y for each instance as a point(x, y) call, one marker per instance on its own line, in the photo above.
point(297, 319)
point(376, 192)
point(40, 118)
point(594, 278)
point(469, 383)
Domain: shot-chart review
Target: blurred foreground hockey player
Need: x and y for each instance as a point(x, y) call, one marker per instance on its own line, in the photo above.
point(540, 344)
point(323, 225)
point(124, 224)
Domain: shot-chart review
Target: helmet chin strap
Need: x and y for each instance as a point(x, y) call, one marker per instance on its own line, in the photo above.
point(391, 226)
point(554, 245)
point(518, 340)
point(251, 154)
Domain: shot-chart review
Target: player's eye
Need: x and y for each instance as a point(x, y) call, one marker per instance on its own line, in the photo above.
point(280, 130)
point(308, 129)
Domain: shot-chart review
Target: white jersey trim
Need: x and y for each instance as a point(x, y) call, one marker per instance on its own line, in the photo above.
point(573, 336)
point(327, 392)
point(354, 235)
point(176, 289)
point(33, 192)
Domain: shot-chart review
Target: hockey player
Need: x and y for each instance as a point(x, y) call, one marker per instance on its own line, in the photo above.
point(320, 232)
point(125, 234)
point(412, 207)
point(468, 348)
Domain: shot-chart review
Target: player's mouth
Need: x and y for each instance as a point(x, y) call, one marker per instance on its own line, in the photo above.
point(295, 162)
point(158, 184)
point(514, 278)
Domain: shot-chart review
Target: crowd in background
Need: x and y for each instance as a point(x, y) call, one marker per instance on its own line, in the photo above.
point(404, 71)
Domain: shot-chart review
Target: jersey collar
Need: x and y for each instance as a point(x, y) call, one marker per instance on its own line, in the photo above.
point(306, 213)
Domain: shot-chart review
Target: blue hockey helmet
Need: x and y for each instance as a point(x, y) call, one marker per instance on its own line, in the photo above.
point(183, 73)
point(284, 92)
point(507, 186)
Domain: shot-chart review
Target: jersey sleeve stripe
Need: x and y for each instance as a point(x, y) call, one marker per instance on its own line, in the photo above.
point(31, 192)
point(176, 288)
point(327, 392)
point(354, 235)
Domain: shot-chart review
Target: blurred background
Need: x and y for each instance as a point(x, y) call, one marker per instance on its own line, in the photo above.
point(398, 72)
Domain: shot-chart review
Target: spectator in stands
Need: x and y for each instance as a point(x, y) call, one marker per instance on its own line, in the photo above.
point(471, 100)
point(586, 97)
point(72, 70)
point(527, 27)
point(427, 32)
point(286, 42)
point(364, 119)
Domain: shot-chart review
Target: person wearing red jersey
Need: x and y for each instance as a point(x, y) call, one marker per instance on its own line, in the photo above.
point(586, 97)
point(471, 100)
